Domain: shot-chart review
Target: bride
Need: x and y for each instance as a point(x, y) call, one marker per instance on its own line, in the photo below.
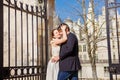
point(57, 39)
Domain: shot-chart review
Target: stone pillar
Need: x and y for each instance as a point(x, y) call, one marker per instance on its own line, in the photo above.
point(50, 14)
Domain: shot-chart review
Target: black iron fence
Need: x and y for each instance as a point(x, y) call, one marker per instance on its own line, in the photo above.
point(23, 40)
point(113, 36)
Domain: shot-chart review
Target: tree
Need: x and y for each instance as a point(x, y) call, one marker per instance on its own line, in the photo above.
point(90, 31)
point(92, 34)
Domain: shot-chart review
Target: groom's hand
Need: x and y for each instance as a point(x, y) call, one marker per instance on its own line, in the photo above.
point(55, 59)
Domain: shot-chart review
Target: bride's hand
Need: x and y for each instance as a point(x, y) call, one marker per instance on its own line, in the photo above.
point(55, 59)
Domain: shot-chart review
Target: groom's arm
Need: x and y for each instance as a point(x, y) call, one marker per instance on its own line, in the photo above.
point(68, 50)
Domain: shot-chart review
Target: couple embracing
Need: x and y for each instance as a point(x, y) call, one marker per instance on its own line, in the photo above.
point(64, 63)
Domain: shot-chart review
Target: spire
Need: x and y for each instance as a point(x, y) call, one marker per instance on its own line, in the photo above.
point(89, 11)
point(79, 22)
point(90, 7)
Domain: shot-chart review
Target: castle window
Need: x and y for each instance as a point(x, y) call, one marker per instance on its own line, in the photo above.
point(84, 48)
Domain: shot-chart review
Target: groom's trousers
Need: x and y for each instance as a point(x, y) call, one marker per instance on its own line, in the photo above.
point(65, 75)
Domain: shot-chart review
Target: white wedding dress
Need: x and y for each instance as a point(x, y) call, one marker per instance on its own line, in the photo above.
point(53, 67)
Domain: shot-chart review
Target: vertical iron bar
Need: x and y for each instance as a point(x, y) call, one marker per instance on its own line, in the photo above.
point(108, 37)
point(46, 30)
point(21, 34)
point(37, 77)
point(32, 43)
point(116, 75)
point(30, 78)
point(24, 78)
point(27, 41)
point(21, 6)
point(41, 46)
point(37, 41)
point(37, 33)
point(1, 37)
point(27, 37)
point(9, 35)
point(15, 34)
point(117, 32)
point(32, 39)
point(46, 34)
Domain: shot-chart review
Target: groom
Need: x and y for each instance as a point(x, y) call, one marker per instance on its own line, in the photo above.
point(69, 63)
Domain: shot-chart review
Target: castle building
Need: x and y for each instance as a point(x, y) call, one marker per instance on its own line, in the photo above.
point(102, 51)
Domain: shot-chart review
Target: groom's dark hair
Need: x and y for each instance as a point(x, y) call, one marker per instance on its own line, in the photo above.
point(59, 27)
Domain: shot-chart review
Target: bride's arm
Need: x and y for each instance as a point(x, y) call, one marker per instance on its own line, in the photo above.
point(53, 58)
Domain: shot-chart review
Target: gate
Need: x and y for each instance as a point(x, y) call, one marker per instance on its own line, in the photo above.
point(23, 40)
point(113, 37)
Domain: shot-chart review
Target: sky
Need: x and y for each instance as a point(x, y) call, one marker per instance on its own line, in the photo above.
point(64, 8)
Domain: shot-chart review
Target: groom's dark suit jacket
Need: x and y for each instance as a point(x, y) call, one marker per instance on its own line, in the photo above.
point(69, 60)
